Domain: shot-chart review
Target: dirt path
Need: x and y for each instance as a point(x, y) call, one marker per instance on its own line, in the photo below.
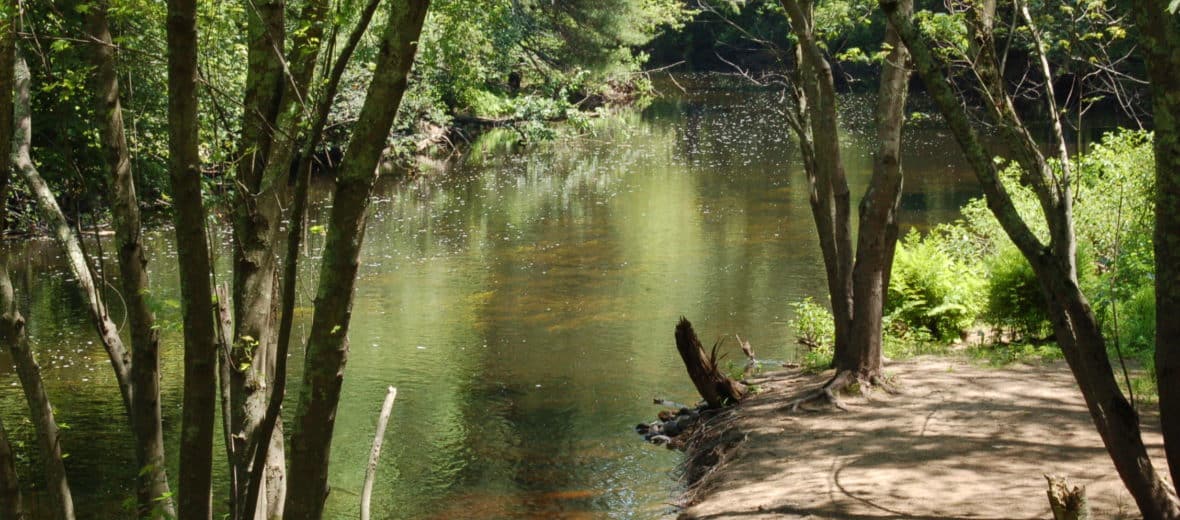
point(958, 441)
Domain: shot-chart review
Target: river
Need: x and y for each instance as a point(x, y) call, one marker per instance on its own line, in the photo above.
point(523, 304)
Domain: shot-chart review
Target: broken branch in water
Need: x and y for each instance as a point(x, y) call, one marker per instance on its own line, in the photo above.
point(375, 453)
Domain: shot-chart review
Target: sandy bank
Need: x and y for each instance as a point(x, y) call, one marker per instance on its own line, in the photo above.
point(957, 441)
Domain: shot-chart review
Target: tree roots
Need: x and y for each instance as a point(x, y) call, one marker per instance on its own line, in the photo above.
point(843, 381)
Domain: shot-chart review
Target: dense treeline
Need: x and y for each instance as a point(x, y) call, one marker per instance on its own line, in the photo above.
point(481, 63)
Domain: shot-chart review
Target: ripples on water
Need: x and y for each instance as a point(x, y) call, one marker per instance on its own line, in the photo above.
point(523, 305)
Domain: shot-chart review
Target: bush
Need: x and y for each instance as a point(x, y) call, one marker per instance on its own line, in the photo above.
point(1136, 330)
point(1014, 298)
point(815, 330)
point(932, 290)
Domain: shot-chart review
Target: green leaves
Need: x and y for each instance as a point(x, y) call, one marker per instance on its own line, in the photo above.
point(932, 289)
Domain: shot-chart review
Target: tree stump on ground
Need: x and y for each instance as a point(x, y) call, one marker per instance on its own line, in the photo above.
point(715, 387)
point(1066, 502)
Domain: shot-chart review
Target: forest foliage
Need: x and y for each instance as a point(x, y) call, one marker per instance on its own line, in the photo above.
point(521, 61)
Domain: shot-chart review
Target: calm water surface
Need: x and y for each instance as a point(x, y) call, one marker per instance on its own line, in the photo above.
point(523, 305)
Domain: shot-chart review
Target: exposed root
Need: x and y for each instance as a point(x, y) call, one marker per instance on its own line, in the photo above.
point(826, 394)
point(843, 381)
point(879, 381)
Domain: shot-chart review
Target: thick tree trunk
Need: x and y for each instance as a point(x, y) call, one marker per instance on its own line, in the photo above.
point(11, 503)
point(877, 236)
point(1074, 324)
point(715, 387)
point(200, 332)
point(152, 492)
point(327, 348)
point(12, 334)
point(1160, 44)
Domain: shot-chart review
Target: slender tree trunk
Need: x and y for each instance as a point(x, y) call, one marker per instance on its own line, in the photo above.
point(1074, 324)
point(12, 334)
point(829, 194)
point(1160, 44)
point(256, 218)
point(75, 258)
point(11, 503)
point(877, 236)
point(327, 347)
point(276, 112)
point(8, 14)
point(200, 352)
point(152, 492)
point(286, 152)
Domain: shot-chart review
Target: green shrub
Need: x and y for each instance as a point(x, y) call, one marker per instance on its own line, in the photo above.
point(1014, 298)
point(1136, 330)
point(815, 330)
point(930, 289)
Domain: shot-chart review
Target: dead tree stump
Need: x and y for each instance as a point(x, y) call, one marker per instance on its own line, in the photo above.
point(1066, 502)
point(715, 387)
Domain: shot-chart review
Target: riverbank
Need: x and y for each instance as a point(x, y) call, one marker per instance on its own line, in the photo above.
point(957, 440)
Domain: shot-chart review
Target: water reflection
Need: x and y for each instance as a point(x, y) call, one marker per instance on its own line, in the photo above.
point(524, 307)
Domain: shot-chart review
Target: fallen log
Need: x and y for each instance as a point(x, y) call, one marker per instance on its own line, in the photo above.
point(715, 387)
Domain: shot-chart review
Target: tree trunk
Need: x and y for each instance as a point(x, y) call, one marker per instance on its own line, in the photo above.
point(305, 47)
point(75, 258)
point(152, 492)
point(255, 229)
point(829, 194)
point(11, 503)
point(1074, 324)
point(327, 347)
point(12, 334)
point(716, 388)
point(200, 353)
point(1160, 44)
point(276, 112)
point(877, 236)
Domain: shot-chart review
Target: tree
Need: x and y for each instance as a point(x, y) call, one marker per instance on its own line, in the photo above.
point(1055, 262)
point(200, 352)
point(1159, 36)
point(12, 329)
point(152, 493)
point(327, 347)
point(857, 282)
point(11, 501)
point(877, 233)
point(275, 109)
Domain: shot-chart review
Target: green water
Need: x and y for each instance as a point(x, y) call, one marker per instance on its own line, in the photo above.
point(523, 304)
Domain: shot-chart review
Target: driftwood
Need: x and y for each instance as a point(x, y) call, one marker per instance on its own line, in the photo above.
point(375, 454)
point(715, 387)
point(1067, 502)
